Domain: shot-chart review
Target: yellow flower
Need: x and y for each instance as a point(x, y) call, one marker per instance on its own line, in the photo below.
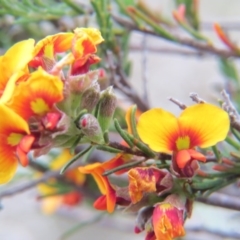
point(201, 125)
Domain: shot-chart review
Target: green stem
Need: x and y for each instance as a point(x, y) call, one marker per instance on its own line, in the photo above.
point(108, 149)
point(235, 133)
point(123, 133)
point(232, 143)
point(74, 6)
point(162, 32)
point(216, 153)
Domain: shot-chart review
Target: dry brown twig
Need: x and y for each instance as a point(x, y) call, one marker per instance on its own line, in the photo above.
point(119, 79)
point(231, 110)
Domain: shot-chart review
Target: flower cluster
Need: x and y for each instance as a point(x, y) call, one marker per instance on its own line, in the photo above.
point(155, 191)
point(50, 98)
point(37, 94)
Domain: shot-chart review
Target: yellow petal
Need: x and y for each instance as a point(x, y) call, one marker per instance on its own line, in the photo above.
point(15, 59)
point(205, 124)
point(158, 128)
point(93, 33)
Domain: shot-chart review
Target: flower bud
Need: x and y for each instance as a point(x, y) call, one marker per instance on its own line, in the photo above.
point(107, 106)
point(90, 127)
point(79, 83)
point(90, 97)
point(144, 214)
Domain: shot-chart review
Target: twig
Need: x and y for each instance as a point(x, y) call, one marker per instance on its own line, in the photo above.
point(196, 98)
point(167, 50)
point(44, 178)
point(178, 103)
point(124, 166)
point(218, 232)
point(232, 112)
point(189, 42)
point(221, 200)
point(29, 185)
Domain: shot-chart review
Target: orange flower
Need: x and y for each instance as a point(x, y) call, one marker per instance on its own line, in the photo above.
point(15, 142)
point(147, 180)
point(200, 125)
point(15, 60)
point(37, 95)
point(108, 200)
point(83, 48)
point(167, 221)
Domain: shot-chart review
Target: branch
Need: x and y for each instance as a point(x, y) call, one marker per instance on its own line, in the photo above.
point(47, 174)
point(221, 200)
point(119, 80)
point(178, 103)
point(189, 42)
point(167, 50)
point(231, 110)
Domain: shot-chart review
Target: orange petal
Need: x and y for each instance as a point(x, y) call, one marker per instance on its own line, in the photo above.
point(204, 124)
point(182, 158)
point(101, 203)
point(83, 46)
point(159, 129)
point(96, 170)
point(106, 202)
point(61, 42)
point(37, 95)
point(23, 148)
